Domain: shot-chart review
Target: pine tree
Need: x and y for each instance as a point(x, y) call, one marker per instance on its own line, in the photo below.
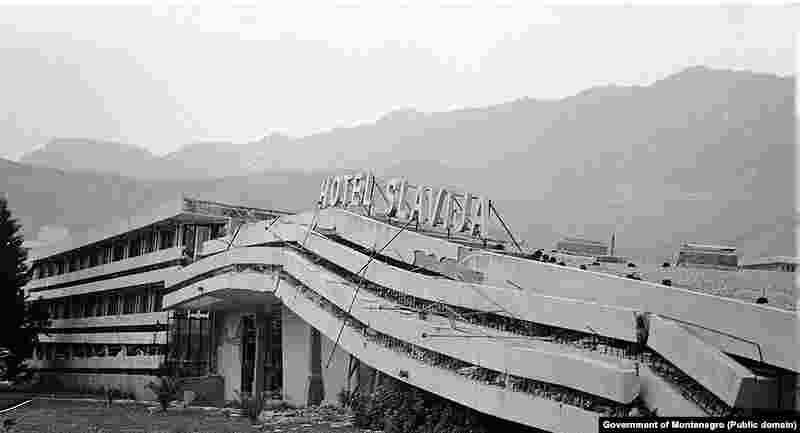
point(20, 322)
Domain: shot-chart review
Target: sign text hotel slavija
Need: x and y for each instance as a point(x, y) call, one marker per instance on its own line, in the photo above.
point(440, 209)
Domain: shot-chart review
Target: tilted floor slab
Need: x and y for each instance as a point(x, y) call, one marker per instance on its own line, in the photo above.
point(566, 313)
point(717, 372)
point(596, 374)
point(515, 406)
point(599, 375)
point(775, 330)
point(664, 398)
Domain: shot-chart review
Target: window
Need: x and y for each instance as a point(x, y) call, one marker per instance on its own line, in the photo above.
point(105, 254)
point(217, 231)
point(93, 257)
point(114, 349)
point(119, 252)
point(189, 353)
point(151, 241)
point(112, 305)
point(66, 308)
point(129, 303)
point(167, 239)
point(79, 350)
point(78, 307)
point(135, 350)
point(61, 351)
point(98, 350)
point(141, 302)
point(135, 247)
point(93, 304)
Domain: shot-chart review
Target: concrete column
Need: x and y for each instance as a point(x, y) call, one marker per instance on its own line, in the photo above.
point(196, 241)
point(316, 388)
point(258, 365)
point(268, 361)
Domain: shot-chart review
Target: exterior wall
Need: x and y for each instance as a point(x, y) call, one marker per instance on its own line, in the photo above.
point(94, 362)
point(163, 212)
point(109, 268)
point(229, 363)
point(117, 320)
point(296, 337)
point(334, 376)
point(94, 382)
point(297, 362)
point(107, 338)
point(101, 286)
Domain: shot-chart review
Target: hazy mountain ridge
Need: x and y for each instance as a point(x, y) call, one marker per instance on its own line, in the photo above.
point(702, 155)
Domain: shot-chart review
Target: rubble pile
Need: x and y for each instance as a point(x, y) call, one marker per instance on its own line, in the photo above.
point(333, 415)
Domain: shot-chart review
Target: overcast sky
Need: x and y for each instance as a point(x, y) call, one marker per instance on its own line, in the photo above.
point(163, 76)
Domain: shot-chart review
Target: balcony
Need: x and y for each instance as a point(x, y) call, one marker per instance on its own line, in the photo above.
point(149, 259)
point(115, 320)
point(158, 337)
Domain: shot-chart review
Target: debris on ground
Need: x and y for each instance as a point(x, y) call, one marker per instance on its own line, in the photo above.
point(336, 416)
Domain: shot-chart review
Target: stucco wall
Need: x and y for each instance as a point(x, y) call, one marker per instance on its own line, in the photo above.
point(295, 337)
point(228, 353)
point(296, 334)
point(90, 382)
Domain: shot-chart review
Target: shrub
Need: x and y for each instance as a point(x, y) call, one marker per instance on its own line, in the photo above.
point(166, 390)
point(396, 407)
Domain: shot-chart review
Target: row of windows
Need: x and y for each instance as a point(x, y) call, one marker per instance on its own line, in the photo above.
point(144, 300)
point(61, 351)
point(702, 258)
point(145, 242)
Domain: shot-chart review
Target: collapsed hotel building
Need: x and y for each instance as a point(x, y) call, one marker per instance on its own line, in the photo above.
point(380, 281)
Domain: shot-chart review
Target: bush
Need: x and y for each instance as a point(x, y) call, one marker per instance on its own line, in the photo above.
point(166, 390)
point(396, 407)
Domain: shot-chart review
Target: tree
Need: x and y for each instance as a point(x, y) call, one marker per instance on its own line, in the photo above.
point(20, 322)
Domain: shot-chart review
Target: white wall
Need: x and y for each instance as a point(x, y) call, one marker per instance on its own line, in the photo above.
point(229, 353)
point(296, 339)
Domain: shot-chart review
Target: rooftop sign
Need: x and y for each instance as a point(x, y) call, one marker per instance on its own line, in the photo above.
point(439, 209)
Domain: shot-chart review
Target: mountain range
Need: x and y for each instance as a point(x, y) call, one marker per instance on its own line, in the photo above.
point(702, 155)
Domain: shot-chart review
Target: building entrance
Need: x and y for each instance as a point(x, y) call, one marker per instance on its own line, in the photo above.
point(261, 353)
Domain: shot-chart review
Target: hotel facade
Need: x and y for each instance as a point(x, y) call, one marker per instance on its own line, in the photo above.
point(386, 278)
